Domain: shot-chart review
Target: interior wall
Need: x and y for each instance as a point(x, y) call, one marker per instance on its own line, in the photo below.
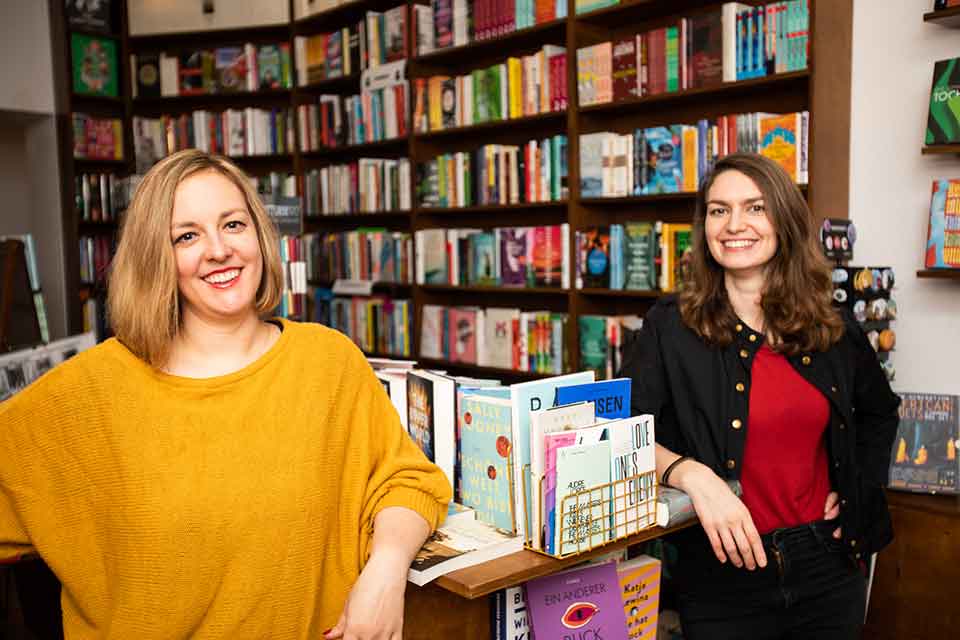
point(25, 57)
point(893, 55)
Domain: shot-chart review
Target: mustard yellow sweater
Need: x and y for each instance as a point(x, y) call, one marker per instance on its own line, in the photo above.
point(239, 506)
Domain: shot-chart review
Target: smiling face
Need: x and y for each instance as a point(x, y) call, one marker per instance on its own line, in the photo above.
point(738, 228)
point(217, 250)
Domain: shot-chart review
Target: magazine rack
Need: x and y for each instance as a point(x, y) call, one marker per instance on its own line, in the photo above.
point(596, 516)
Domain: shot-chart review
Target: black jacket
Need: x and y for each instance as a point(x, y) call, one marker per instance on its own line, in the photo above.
point(700, 397)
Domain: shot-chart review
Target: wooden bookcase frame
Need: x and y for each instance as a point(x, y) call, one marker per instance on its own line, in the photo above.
point(823, 89)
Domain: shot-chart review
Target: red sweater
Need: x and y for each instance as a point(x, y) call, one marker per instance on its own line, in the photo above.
point(785, 476)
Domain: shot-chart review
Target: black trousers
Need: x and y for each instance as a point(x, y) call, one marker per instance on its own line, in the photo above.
point(810, 588)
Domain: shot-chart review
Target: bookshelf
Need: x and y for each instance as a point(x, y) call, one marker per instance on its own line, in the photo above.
point(939, 149)
point(817, 89)
point(945, 17)
point(940, 274)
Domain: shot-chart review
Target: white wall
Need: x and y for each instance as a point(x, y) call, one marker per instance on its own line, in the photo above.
point(893, 55)
point(25, 59)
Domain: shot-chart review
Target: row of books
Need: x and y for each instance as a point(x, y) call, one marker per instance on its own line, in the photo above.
point(224, 70)
point(103, 197)
point(33, 274)
point(729, 43)
point(603, 341)
point(512, 256)
point(234, 132)
point(96, 252)
point(293, 300)
point(97, 138)
point(454, 23)
point(521, 86)
point(276, 186)
point(636, 256)
point(373, 254)
point(377, 324)
point(376, 40)
point(505, 338)
point(496, 174)
point(378, 112)
point(674, 159)
point(368, 185)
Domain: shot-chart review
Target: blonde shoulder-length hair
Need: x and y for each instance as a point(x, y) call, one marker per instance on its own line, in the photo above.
point(143, 299)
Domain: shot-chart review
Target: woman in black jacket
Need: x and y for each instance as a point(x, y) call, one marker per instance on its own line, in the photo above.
point(753, 375)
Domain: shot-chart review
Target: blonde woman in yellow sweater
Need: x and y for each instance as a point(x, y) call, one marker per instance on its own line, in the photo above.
point(208, 473)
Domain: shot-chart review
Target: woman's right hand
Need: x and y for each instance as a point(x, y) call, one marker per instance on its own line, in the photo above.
point(722, 514)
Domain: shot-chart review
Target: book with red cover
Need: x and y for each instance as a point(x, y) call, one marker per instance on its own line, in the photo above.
point(706, 45)
point(625, 68)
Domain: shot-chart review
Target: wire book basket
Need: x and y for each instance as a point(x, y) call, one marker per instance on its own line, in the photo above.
point(592, 517)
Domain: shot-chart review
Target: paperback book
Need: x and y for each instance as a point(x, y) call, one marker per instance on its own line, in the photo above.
point(463, 543)
point(924, 457)
point(580, 603)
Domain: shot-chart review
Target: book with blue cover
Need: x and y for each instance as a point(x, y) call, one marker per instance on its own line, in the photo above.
point(485, 451)
point(611, 398)
point(664, 154)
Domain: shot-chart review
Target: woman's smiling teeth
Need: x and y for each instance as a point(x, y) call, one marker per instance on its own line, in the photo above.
point(222, 277)
point(738, 244)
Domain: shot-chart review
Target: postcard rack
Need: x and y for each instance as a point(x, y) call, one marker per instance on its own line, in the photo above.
point(592, 517)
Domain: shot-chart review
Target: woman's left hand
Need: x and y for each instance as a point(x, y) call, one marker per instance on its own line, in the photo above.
point(831, 510)
point(374, 608)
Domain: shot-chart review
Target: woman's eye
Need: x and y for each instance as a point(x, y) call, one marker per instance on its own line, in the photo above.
point(757, 208)
point(718, 211)
point(236, 225)
point(186, 237)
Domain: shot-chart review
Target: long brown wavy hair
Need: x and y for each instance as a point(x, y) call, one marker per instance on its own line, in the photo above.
point(797, 293)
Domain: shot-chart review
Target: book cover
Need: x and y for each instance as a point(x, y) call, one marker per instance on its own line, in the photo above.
point(483, 251)
point(663, 154)
point(148, 75)
point(580, 603)
point(485, 451)
point(89, 15)
point(625, 68)
point(591, 164)
point(420, 412)
point(595, 249)
point(639, 251)
point(431, 331)
point(706, 45)
point(924, 457)
point(561, 418)
point(526, 398)
point(431, 417)
point(780, 141)
point(593, 343)
point(514, 254)
point(583, 513)
point(943, 234)
point(230, 70)
point(269, 67)
point(632, 454)
point(191, 73)
point(95, 70)
point(943, 121)
point(509, 617)
point(499, 338)
point(640, 590)
point(611, 398)
point(461, 544)
point(463, 335)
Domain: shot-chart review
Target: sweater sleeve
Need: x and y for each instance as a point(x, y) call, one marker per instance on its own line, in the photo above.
point(401, 475)
point(14, 541)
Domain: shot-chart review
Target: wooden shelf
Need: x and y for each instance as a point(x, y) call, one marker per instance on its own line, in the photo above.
point(552, 117)
point(392, 146)
point(271, 97)
point(629, 11)
point(491, 208)
point(940, 148)
point(516, 568)
point(942, 274)
point(377, 286)
point(333, 85)
point(78, 100)
point(339, 15)
point(621, 293)
point(942, 504)
point(94, 164)
point(475, 370)
point(91, 226)
point(945, 17)
point(498, 289)
point(171, 42)
point(542, 33)
point(93, 33)
point(726, 89)
point(361, 219)
point(652, 198)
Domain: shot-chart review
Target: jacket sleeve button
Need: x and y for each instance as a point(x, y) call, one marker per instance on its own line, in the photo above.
point(805, 359)
point(731, 464)
point(736, 424)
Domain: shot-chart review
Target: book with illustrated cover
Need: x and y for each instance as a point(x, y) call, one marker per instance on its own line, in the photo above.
point(943, 121)
point(230, 70)
point(514, 255)
point(582, 520)
point(663, 155)
point(95, 69)
point(485, 452)
point(148, 75)
point(579, 603)
point(431, 417)
point(924, 456)
point(89, 15)
point(640, 584)
point(463, 543)
point(595, 257)
point(943, 234)
point(508, 613)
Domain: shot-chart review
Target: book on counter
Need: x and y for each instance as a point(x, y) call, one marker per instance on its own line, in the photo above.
point(675, 507)
point(580, 603)
point(460, 544)
point(924, 456)
point(640, 583)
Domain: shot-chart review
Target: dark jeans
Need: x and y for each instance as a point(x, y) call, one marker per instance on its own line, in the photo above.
point(810, 588)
